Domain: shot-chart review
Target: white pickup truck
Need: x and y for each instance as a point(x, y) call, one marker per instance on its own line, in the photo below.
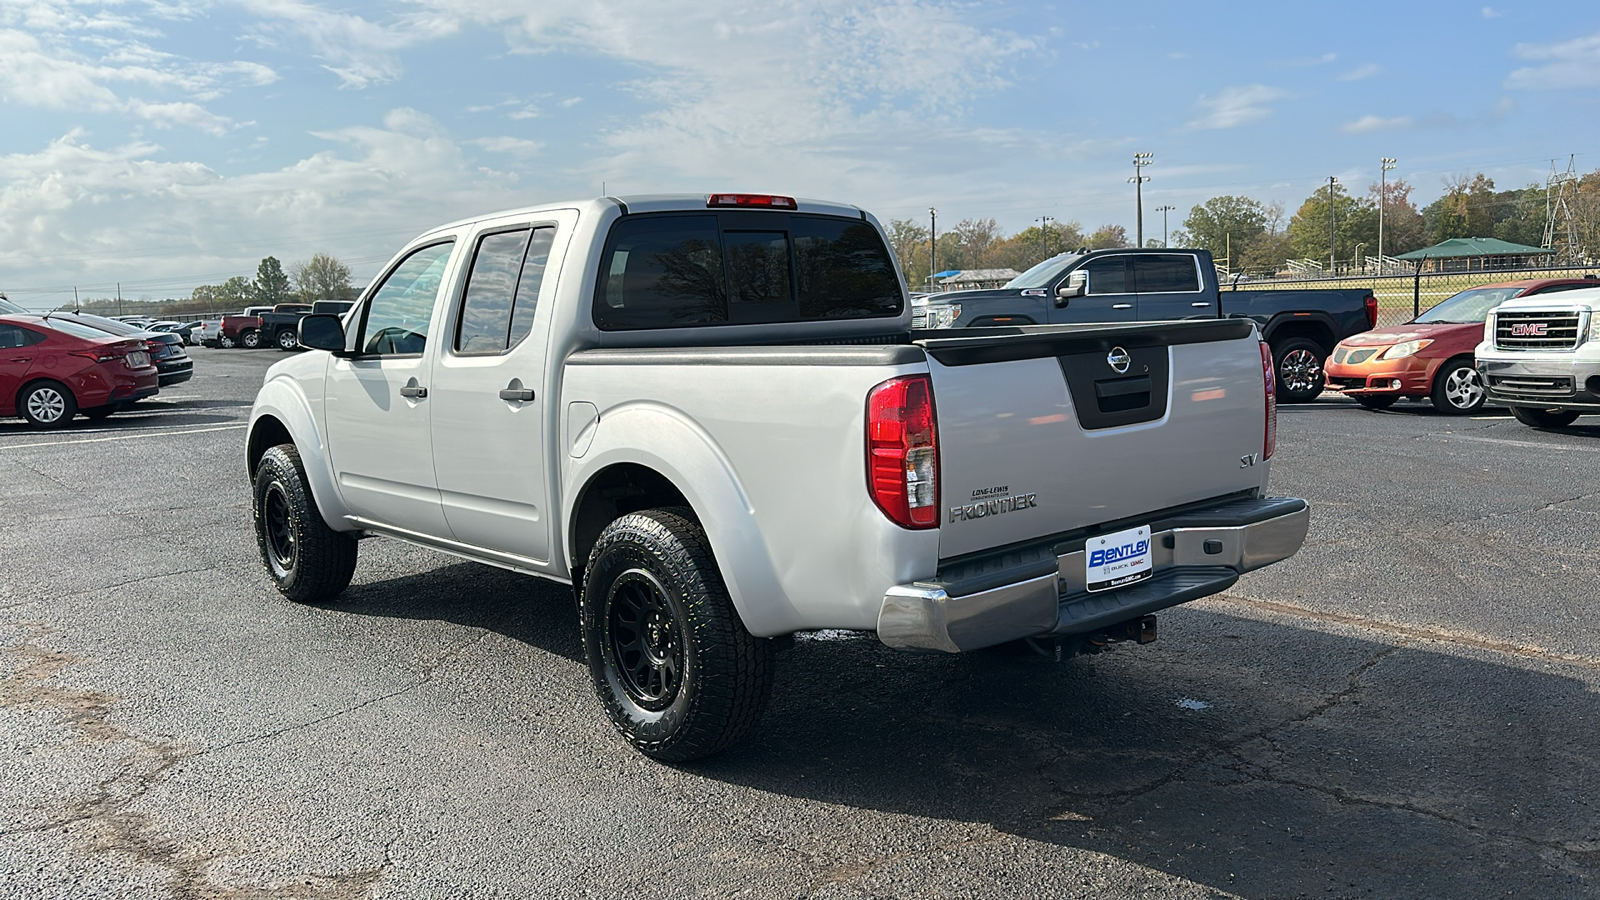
point(1540, 356)
point(709, 416)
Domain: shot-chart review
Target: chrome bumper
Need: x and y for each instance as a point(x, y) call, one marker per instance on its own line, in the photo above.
point(1192, 559)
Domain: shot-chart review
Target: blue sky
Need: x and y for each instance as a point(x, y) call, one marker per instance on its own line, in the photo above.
point(166, 144)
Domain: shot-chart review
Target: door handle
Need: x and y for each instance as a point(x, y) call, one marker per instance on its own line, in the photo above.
point(1200, 304)
point(414, 392)
point(515, 392)
point(1122, 306)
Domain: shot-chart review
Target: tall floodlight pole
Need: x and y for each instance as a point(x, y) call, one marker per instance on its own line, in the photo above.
point(1044, 232)
point(1164, 210)
point(1333, 261)
point(1140, 160)
point(933, 243)
point(1384, 166)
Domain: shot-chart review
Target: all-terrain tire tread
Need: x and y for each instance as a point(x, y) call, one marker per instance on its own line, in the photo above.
point(326, 558)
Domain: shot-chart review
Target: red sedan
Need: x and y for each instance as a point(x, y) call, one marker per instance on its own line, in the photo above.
point(1430, 356)
point(52, 369)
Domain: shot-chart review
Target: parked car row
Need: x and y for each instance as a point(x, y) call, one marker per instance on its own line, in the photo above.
point(1532, 345)
point(53, 367)
point(266, 326)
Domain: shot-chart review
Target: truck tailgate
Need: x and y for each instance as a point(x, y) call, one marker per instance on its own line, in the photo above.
point(1051, 431)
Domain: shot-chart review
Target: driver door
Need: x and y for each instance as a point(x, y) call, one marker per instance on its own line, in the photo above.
point(377, 404)
point(1109, 294)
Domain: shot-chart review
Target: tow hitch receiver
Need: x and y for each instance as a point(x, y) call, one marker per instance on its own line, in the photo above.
point(1141, 630)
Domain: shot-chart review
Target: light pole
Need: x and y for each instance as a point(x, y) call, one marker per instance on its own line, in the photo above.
point(1044, 232)
point(1140, 160)
point(1384, 166)
point(1164, 210)
point(933, 243)
point(1333, 261)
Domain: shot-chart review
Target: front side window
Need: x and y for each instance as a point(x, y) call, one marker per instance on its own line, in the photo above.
point(1108, 275)
point(1162, 274)
point(397, 316)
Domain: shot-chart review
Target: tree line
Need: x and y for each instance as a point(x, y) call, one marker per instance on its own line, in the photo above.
point(1249, 235)
point(322, 277)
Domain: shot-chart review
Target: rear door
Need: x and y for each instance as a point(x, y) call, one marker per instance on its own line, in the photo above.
point(491, 397)
point(18, 348)
point(1170, 286)
point(378, 404)
point(1110, 295)
point(1047, 434)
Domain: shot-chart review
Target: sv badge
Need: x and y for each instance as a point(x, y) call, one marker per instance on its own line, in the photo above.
point(1246, 462)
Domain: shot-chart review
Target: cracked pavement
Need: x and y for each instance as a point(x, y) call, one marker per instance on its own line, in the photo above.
point(1407, 708)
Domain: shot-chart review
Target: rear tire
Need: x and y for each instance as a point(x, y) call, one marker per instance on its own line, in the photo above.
point(288, 340)
point(1458, 388)
point(250, 340)
point(1375, 401)
point(307, 560)
point(226, 342)
point(1298, 364)
point(47, 404)
point(1544, 418)
point(672, 664)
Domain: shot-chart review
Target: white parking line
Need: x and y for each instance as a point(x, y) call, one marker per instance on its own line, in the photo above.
point(1534, 444)
point(123, 437)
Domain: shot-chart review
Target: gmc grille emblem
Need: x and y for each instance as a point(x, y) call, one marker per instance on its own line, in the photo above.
point(1529, 329)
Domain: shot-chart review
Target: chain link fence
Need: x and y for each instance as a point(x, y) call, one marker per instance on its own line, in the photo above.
point(1402, 297)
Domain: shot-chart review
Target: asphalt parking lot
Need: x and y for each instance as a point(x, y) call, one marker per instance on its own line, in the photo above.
point(1408, 708)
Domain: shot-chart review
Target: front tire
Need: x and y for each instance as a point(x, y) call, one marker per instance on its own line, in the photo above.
point(250, 340)
point(307, 560)
point(1544, 418)
point(672, 664)
point(47, 404)
point(1298, 362)
point(1458, 388)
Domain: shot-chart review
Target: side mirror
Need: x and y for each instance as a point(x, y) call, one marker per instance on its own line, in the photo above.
point(322, 332)
point(1076, 285)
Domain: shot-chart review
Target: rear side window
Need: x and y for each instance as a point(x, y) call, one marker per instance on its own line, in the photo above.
point(1158, 274)
point(502, 290)
point(12, 337)
point(674, 270)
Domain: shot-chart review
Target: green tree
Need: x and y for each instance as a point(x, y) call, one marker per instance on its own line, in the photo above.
point(272, 286)
point(323, 278)
point(1108, 237)
point(910, 244)
point(1224, 225)
point(1403, 227)
point(1027, 247)
point(1355, 224)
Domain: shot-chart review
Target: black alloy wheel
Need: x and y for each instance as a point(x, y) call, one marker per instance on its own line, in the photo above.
point(670, 660)
point(1298, 363)
point(308, 561)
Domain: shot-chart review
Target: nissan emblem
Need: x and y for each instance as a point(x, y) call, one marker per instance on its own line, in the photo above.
point(1118, 359)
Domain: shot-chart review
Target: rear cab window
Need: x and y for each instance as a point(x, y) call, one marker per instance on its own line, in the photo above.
point(672, 270)
point(1166, 273)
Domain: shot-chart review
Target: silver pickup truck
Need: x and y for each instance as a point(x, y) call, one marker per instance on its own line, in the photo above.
point(708, 415)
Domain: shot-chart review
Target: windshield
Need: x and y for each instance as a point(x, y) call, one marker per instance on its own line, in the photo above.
point(1044, 273)
point(1468, 307)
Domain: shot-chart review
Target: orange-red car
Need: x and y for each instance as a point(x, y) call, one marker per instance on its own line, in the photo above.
point(1430, 356)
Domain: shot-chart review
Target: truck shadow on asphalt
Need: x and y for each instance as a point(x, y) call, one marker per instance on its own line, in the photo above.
point(1259, 758)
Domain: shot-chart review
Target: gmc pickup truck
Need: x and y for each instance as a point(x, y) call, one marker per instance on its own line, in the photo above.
point(708, 415)
point(1131, 285)
point(1540, 356)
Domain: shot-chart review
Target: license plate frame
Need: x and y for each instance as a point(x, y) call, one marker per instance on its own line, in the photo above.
point(1115, 560)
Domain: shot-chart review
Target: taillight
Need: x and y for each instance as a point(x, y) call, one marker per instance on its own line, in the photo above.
point(903, 451)
point(759, 201)
point(98, 356)
point(1372, 311)
point(1269, 437)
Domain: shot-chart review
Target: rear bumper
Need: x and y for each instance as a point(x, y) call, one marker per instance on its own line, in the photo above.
point(1042, 594)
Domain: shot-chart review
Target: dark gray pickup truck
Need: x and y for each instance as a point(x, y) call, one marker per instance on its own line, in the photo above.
point(1129, 285)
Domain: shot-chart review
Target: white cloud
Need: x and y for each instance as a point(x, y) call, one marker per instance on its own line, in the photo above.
point(1490, 12)
point(1235, 106)
point(361, 52)
point(1569, 64)
point(1360, 72)
point(1369, 123)
point(509, 145)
